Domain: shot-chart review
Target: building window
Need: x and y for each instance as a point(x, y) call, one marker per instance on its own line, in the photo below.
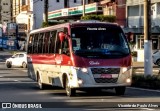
point(5, 3)
point(23, 2)
point(75, 1)
point(57, 0)
point(155, 43)
point(66, 3)
point(140, 42)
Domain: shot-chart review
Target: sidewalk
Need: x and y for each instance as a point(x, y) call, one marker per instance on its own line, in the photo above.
point(138, 68)
point(4, 55)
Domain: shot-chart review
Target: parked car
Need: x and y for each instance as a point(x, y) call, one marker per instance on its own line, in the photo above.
point(156, 57)
point(18, 60)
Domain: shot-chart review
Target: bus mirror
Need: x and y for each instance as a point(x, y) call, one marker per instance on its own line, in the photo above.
point(61, 36)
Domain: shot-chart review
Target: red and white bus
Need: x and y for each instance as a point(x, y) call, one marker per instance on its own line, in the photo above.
point(80, 55)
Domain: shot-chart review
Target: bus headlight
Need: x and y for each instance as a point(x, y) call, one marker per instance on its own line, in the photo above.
point(124, 69)
point(128, 80)
point(80, 81)
point(84, 70)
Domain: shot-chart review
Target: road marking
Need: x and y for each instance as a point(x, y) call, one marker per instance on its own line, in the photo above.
point(118, 109)
point(20, 82)
point(145, 89)
point(149, 109)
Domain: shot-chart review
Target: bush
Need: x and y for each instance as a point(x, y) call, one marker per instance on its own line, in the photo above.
point(105, 18)
point(150, 82)
point(45, 24)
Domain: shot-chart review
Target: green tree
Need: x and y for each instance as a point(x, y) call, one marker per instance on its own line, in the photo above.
point(104, 18)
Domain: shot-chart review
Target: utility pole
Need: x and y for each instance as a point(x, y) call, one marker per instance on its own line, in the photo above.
point(46, 11)
point(147, 38)
point(84, 2)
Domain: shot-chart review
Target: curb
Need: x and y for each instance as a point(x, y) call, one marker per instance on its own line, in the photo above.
point(152, 90)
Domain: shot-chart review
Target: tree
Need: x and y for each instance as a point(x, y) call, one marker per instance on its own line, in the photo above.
point(104, 18)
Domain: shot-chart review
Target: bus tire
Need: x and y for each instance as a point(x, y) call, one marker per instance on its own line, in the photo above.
point(40, 84)
point(120, 90)
point(69, 91)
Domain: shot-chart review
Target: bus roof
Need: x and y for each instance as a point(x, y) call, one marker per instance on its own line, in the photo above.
point(75, 23)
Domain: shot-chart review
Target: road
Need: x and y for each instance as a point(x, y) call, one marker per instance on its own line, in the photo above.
point(15, 86)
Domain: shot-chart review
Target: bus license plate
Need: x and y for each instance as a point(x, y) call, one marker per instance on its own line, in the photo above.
point(106, 76)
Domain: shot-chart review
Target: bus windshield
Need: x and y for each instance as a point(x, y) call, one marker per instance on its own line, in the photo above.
point(99, 42)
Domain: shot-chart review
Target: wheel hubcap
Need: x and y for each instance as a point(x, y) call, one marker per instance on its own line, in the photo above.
point(39, 83)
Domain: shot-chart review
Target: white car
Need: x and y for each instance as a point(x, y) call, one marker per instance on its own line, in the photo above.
point(18, 60)
point(156, 57)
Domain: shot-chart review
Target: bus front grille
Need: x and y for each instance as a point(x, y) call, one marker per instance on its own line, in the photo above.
point(105, 70)
point(106, 80)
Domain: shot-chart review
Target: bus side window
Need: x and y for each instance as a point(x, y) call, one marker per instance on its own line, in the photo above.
point(52, 41)
point(40, 43)
point(35, 44)
point(45, 42)
point(58, 42)
point(30, 44)
point(65, 47)
point(58, 45)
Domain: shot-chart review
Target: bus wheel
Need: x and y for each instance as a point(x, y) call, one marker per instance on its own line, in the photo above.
point(40, 84)
point(70, 91)
point(120, 90)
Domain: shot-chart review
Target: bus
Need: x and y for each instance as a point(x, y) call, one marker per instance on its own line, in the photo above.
point(82, 55)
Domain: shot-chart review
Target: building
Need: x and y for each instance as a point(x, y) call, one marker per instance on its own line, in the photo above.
point(37, 9)
point(116, 8)
point(135, 24)
point(75, 13)
point(19, 6)
point(5, 11)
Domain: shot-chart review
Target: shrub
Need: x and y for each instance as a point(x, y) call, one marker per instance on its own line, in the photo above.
point(45, 24)
point(151, 81)
point(106, 18)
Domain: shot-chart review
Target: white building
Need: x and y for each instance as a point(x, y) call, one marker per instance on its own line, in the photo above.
point(5, 11)
point(37, 9)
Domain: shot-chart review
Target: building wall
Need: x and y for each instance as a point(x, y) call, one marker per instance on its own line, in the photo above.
point(37, 6)
point(116, 8)
point(5, 11)
point(18, 6)
point(135, 24)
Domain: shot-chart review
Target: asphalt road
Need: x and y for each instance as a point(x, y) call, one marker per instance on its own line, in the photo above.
point(15, 86)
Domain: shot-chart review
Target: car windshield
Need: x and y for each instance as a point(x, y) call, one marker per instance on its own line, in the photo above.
point(98, 42)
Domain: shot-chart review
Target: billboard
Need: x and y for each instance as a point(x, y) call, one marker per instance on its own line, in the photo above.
point(11, 28)
point(0, 42)
point(22, 27)
point(1, 32)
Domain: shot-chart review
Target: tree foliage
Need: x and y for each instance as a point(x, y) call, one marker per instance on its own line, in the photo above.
point(45, 24)
point(104, 18)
